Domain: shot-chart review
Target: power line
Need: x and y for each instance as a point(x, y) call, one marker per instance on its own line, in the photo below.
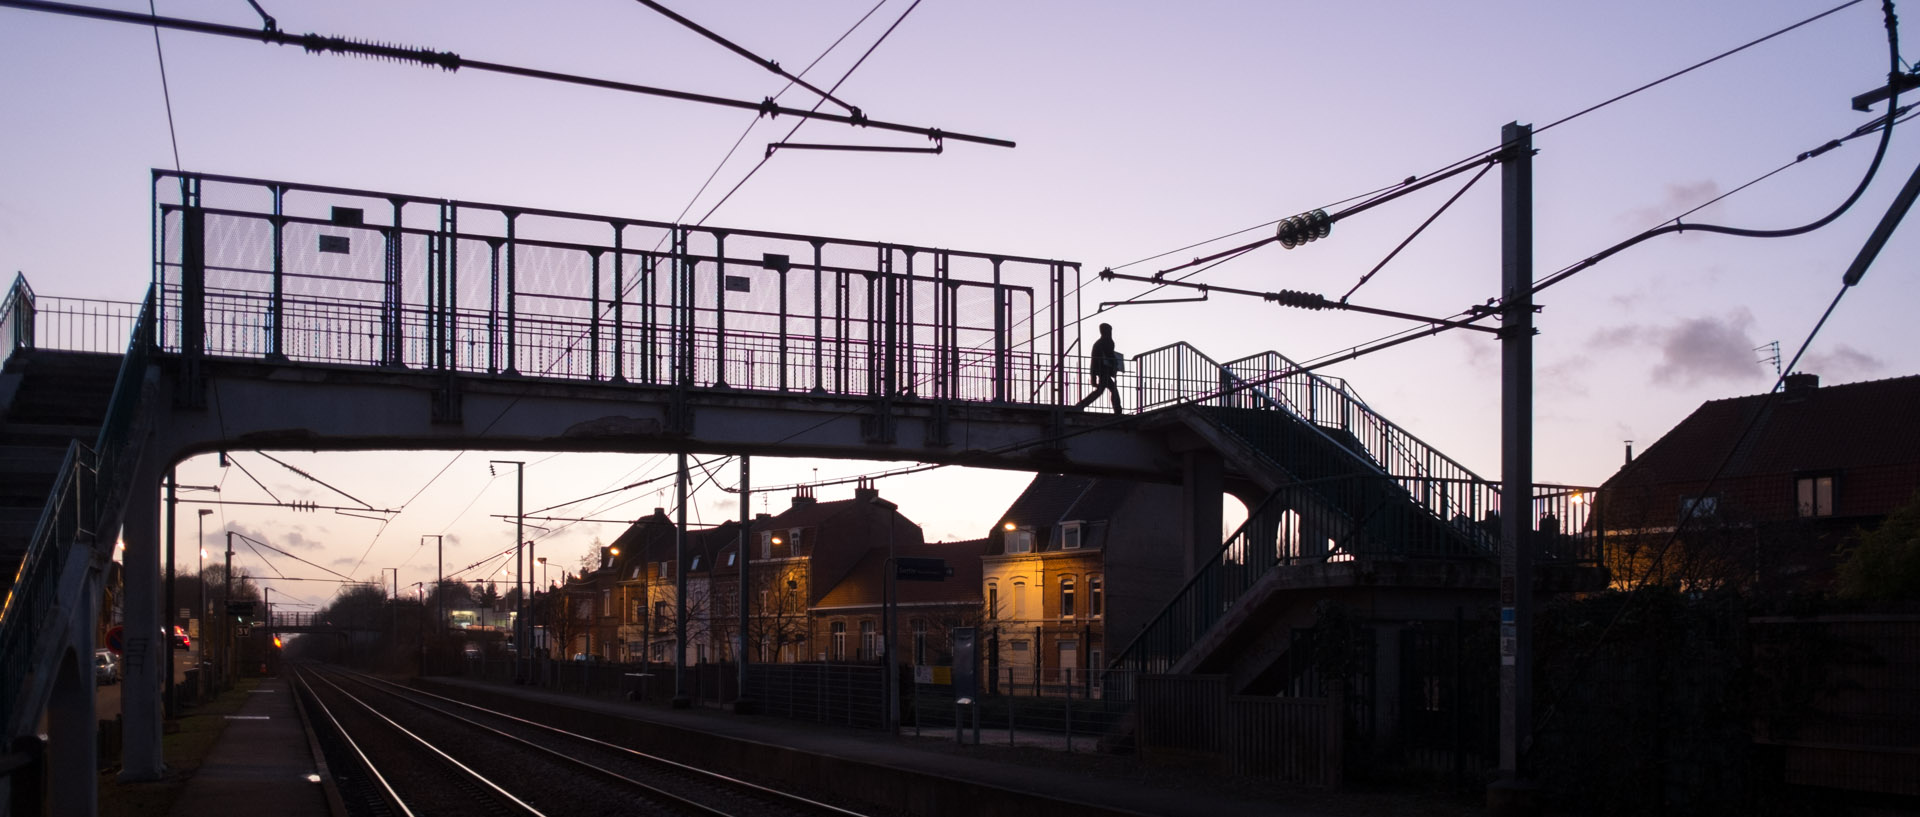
point(319, 44)
point(166, 95)
point(770, 65)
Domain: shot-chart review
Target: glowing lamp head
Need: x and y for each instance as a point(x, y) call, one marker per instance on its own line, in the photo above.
point(1011, 527)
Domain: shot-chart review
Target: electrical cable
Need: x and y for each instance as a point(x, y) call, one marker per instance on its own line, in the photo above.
point(756, 59)
point(756, 120)
point(796, 126)
point(317, 480)
point(166, 94)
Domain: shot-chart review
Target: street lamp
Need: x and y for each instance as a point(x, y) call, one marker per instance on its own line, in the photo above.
point(204, 513)
point(544, 576)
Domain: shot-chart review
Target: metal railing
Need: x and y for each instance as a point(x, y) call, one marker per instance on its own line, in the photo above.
point(1338, 519)
point(88, 492)
point(263, 269)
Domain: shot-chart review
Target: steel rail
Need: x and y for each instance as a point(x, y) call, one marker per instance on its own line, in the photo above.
point(392, 797)
point(503, 793)
point(784, 798)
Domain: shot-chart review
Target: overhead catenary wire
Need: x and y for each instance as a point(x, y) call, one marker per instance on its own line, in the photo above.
point(756, 59)
point(316, 43)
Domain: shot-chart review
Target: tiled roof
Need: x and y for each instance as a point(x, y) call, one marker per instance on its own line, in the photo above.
point(862, 584)
point(1825, 427)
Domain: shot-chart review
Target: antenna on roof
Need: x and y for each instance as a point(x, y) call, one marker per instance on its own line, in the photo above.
point(1773, 356)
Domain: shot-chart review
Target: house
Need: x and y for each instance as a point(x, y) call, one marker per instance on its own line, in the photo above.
point(926, 610)
point(801, 555)
point(1761, 492)
point(1073, 571)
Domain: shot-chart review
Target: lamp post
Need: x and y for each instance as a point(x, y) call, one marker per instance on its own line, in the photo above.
point(440, 577)
point(889, 589)
point(201, 578)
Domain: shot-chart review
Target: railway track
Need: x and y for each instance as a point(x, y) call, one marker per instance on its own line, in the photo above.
point(400, 751)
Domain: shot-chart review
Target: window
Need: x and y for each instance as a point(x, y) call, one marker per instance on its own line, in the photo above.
point(606, 603)
point(1096, 599)
point(695, 566)
point(869, 641)
point(1070, 536)
point(1019, 600)
point(993, 601)
point(730, 555)
point(1019, 541)
point(838, 640)
point(1017, 646)
point(920, 642)
point(1066, 597)
point(660, 614)
point(635, 609)
point(766, 544)
point(1815, 496)
point(1699, 507)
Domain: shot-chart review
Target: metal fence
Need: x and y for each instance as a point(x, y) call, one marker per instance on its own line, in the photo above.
point(1071, 711)
point(844, 694)
point(1193, 718)
point(257, 268)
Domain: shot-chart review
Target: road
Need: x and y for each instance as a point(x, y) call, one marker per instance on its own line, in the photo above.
point(107, 698)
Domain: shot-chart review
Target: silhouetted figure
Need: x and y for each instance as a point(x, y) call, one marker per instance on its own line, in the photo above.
point(1104, 364)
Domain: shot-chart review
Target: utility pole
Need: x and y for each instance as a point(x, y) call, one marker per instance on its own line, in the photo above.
point(440, 568)
point(889, 627)
point(680, 698)
point(1513, 792)
point(170, 706)
point(520, 573)
point(226, 618)
point(740, 701)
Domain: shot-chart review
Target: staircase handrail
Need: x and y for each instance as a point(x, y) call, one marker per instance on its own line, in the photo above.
point(93, 482)
point(1414, 451)
point(32, 601)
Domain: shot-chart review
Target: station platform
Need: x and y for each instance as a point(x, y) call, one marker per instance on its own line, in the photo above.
point(261, 764)
point(948, 778)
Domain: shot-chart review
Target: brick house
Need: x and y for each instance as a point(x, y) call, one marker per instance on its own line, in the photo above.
point(1073, 572)
point(1814, 465)
point(799, 556)
point(850, 614)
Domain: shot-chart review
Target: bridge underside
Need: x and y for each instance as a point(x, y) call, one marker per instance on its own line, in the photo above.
point(251, 404)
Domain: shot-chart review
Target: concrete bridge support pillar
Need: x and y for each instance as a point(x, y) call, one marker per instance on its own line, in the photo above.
point(1202, 486)
point(147, 654)
point(73, 785)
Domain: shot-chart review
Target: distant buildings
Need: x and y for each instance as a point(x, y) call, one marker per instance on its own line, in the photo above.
point(1763, 492)
point(1075, 564)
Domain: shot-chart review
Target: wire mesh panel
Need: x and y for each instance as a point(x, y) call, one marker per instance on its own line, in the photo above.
point(271, 269)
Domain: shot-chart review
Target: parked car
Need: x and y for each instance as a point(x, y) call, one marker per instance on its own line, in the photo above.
point(106, 667)
point(180, 641)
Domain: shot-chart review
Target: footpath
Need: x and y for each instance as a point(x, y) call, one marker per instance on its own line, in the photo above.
point(263, 763)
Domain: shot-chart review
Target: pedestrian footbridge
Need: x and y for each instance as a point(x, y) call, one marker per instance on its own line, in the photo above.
point(300, 317)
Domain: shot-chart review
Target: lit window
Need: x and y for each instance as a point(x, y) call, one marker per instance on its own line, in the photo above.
point(1070, 536)
point(1066, 597)
point(1815, 496)
point(839, 640)
point(1019, 541)
point(1019, 600)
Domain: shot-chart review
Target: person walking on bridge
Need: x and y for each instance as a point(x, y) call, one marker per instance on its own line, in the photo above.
point(1104, 364)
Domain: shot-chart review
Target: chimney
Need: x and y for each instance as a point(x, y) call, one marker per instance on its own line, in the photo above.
point(1629, 452)
point(864, 490)
point(1801, 382)
point(803, 496)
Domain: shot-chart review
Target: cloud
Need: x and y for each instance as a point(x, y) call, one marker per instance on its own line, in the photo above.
point(1703, 349)
point(1678, 198)
point(1565, 378)
point(1842, 363)
point(1695, 349)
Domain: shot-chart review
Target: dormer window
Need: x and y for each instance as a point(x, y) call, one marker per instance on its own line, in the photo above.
point(1019, 541)
point(1070, 536)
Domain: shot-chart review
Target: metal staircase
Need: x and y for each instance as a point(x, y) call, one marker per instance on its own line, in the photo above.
point(1348, 490)
point(65, 468)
